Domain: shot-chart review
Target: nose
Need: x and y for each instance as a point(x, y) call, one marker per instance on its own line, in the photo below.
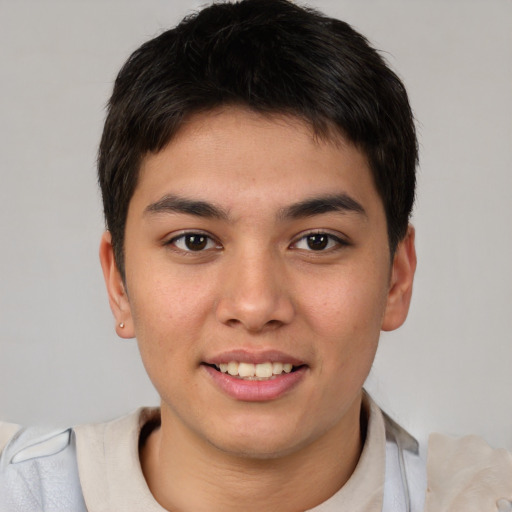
point(255, 293)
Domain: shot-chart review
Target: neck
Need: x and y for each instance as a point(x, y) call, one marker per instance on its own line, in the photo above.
point(186, 473)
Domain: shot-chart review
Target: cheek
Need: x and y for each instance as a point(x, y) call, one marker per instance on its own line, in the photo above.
point(168, 313)
point(167, 326)
point(346, 318)
point(352, 306)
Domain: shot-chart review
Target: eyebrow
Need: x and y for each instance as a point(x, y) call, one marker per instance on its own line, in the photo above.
point(323, 204)
point(307, 208)
point(175, 204)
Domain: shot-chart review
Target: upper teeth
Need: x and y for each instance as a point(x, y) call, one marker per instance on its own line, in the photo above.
point(235, 368)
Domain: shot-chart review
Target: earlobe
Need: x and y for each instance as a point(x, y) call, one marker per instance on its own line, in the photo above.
point(400, 286)
point(117, 297)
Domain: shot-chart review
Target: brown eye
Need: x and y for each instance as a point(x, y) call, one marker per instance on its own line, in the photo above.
point(317, 242)
point(193, 242)
point(196, 242)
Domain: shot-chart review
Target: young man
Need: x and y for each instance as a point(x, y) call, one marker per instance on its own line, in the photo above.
point(258, 170)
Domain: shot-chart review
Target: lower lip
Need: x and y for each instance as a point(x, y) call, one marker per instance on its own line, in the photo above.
point(256, 390)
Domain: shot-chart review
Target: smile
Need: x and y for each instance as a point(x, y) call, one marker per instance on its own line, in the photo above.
point(267, 377)
point(250, 371)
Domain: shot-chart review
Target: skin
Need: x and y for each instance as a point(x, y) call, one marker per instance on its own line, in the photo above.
point(256, 286)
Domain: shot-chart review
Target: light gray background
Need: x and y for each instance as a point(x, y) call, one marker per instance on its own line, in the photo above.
point(448, 369)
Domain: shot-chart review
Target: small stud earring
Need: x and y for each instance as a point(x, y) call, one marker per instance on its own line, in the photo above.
point(121, 325)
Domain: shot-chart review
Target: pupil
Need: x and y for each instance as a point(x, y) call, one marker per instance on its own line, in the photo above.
point(196, 242)
point(317, 242)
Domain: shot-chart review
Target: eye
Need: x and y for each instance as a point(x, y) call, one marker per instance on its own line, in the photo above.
point(318, 242)
point(193, 242)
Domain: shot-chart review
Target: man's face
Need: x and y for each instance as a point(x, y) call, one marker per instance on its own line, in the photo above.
point(251, 247)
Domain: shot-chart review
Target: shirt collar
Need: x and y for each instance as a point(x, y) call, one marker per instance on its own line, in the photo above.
point(112, 478)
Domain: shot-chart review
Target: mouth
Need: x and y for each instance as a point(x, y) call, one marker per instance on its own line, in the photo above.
point(256, 372)
point(251, 376)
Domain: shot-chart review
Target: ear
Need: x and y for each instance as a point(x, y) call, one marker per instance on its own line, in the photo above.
point(117, 297)
point(400, 286)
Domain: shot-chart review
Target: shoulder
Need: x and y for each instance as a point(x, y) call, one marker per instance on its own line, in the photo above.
point(467, 474)
point(458, 473)
point(48, 470)
point(38, 472)
point(108, 461)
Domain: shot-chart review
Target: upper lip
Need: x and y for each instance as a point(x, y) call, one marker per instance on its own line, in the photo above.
point(254, 357)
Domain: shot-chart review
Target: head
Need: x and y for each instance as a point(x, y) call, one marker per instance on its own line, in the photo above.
point(257, 170)
point(272, 57)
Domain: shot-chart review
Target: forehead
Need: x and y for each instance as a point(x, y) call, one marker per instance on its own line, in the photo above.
point(236, 155)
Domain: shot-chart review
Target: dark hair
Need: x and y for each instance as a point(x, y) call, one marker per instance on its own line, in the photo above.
point(270, 56)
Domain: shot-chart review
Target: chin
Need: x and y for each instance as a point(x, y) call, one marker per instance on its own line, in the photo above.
point(260, 443)
point(257, 450)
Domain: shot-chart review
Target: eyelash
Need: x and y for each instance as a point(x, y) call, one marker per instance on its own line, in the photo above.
point(188, 234)
point(333, 242)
